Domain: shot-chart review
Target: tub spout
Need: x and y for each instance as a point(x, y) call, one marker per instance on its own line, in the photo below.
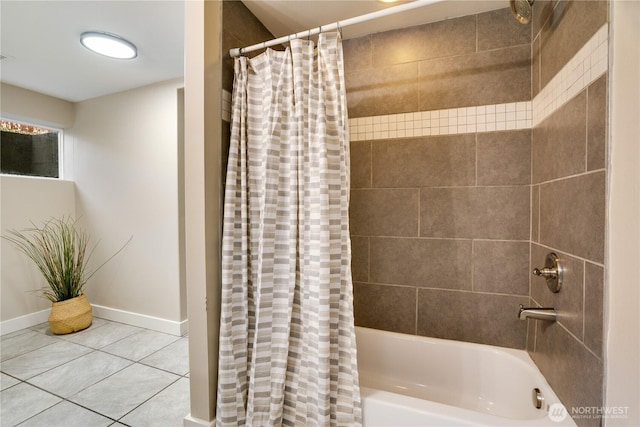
point(541, 313)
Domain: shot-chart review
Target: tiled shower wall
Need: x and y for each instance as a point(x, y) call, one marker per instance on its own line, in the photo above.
point(569, 196)
point(441, 174)
point(476, 149)
point(463, 179)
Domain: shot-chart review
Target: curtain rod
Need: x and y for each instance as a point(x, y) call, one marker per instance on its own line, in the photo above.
point(336, 25)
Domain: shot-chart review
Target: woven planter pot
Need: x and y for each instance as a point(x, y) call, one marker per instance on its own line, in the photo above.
point(70, 315)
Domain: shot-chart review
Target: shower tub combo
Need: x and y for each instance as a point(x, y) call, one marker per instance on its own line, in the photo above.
point(408, 381)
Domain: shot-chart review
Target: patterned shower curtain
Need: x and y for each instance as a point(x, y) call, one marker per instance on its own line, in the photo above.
point(287, 339)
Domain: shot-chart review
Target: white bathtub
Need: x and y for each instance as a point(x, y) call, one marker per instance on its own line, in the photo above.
point(407, 380)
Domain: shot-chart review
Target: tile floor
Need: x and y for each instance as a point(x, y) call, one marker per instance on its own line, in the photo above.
point(110, 374)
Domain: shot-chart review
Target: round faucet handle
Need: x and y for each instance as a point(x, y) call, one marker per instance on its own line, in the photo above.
point(545, 272)
point(552, 272)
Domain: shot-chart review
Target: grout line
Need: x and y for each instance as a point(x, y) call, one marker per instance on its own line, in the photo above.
point(563, 178)
point(584, 302)
point(61, 339)
point(462, 239)
point(467, 291)
point(578, 257)
point(368, 258)
point(583, 345)
point(586, 131)
point(539, 211)
point(460, 186)
point(371, 164)
point(529, 269)
point(151, 397)
point(473, 248)
point(476, 159)
point(417, 311)
point(419, 212)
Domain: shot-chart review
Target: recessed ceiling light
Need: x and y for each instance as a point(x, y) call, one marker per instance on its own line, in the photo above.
point(387, 1)
point(108, 45)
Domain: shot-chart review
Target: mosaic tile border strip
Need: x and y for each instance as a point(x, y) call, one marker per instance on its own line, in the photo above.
point(591, 61)
point(485, 118)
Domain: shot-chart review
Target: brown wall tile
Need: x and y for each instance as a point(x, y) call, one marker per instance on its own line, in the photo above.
point(559, 142)
point(228, 41)
point(535, 68)
point(444, 38)
point(531, 330)
point(360, 153)
point(573, 372)
point(570, 26)
point(572, 215)
point(491, 77)
point(383, 212)
point(597, 123)
point(498, 29)
point(542, 10)
point(240, 28)
point(390, 308)
point(572, 210)
point(243, 24)
point(501, 267)
point(421, 262)
point(569, 301)
point(504, 158)
point(593, 307)
point(379, 91)
point(357, 53)
point(475, 212)
point(360, 258)
point(428, 161)
point(468, 316)
point(535, 213)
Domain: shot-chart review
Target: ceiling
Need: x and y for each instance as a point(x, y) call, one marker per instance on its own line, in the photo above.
point(42, 50)
point(41, 42)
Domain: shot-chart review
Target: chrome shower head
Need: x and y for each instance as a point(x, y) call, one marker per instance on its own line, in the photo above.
point(522, 10)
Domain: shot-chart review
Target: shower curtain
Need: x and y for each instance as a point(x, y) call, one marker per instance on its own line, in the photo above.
point(287, 339)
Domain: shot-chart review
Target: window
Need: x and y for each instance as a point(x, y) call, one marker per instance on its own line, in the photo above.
point(29, 150)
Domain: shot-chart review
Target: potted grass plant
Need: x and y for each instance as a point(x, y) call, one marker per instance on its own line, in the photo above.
point(59, 248)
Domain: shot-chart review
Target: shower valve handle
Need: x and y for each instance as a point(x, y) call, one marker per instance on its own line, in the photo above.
point(545, 272)
point(552, 272)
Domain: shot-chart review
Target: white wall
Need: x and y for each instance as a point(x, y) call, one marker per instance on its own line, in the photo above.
point(24, 200)
point(203, 192)
point(125, 149)
point(25, 105)
point(622, 366)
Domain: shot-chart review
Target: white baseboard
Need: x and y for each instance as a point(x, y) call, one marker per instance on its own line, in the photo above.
point(141, 320)
point(130, 318)
point(26, 321)
point(190, 421)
